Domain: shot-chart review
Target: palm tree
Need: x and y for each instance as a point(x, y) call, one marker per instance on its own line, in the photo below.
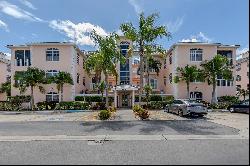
point(243, 93)
point(5, 88)
point(60, 79)
point(187, 74)
point(32, 78)
point(20, 82)
point(218, 66)
point(105, 59)
point(152, 64)
point(144, 38)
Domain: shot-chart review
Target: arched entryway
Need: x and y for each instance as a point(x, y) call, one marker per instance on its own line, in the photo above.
point(196, 95)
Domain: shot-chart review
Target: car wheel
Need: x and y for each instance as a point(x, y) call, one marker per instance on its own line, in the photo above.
point(231, 109)
point(180, 113)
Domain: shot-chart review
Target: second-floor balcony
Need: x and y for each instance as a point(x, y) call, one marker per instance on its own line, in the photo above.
point(22, 62)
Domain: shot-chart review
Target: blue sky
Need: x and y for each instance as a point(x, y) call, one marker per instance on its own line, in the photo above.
point(24, 21)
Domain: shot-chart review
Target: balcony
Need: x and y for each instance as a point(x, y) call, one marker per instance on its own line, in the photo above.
point(21, 62)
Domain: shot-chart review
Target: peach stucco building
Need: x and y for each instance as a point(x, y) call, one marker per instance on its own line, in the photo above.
point(4, 73)
point(53, 57)
point(242, 71)
point(184, 53)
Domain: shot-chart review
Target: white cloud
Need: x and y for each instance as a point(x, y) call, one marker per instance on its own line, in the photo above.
point(78, 33)
point(174, 26)
point(4, 26)
point(8, 56)
point(242, 50)
point(200, 37)
point(137, 7)
point(15, 11)
point(119, 32)
point(28, 4)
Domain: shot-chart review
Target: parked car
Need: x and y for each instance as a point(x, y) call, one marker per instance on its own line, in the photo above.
point(184, 107)
point(240, 107)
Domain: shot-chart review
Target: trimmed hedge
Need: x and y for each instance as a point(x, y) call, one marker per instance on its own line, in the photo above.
point(46, 105)
point(93, 98)
point(72, 105)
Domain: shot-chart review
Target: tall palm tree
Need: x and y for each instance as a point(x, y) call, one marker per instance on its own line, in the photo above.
point(105, 59)
point(5, 88)
point(32, 78)
point(154, 64)
point(144, 38)
point(187, 74)
point(218, 66)
point(60, 79)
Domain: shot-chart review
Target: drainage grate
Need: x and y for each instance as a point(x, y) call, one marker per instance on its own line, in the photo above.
point(96, 142)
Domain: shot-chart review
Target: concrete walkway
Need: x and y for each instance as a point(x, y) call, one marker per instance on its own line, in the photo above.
point(125, 115)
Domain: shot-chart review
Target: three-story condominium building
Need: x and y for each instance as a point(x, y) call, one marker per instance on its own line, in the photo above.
point(53, 57)
point(4, 73)
point(194, 53)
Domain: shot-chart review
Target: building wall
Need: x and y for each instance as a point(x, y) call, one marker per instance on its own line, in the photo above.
point(242, 69)
point(181, 57)
point(66, 63)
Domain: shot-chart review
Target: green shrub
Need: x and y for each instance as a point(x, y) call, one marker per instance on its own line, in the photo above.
point(168, 99)
point(219, 106)
point(156, 105)
point(104, 114)
point(228, 99)
point(71, 105)
point(155, 98)
point(142, 113)
point(51, 105)
point(79, 98)
point(112, 109)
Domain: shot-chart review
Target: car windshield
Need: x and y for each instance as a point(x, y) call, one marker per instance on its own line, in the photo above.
point(191, 101)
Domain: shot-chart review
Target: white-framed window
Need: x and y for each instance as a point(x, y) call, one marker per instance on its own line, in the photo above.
point(52, 96)
point(165, 80)
point(153, 83)
point(238, 87)
point(196, 54)
point(238, 78)
point(51, 73)
point(223, 82)
point(170, 59)
point(83, 81)
point(196, 95)
point(78, 78)
point(23, 58)
point(78, 59)
point(170, 78)
point(238, 67)
point(165, 63)
point(228, 54)
point(52, 54)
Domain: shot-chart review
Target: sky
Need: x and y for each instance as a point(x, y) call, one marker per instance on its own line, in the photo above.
point(213, 21)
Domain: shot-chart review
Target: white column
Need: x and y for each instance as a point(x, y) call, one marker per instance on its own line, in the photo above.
point(115, 99)
point(133, 98)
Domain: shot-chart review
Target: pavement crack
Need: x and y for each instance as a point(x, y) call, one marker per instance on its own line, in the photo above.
point(164, 137)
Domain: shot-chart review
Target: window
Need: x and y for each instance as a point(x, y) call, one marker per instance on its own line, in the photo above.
point(77, 59)
point(170, 59)
point(196, 54)
point(165, 80)
point(247, 86)
point(196, 95)
point(83, 81)
point(223, 82)
point(238, 78)
point(52, 96)
point(78, 78)
point(52, 54)
point(238, 67)
point(136, 60)
point(248, 74)
point(51, 73)
point(165, 63)
point(170, 78)
point(227, 54)
point(153, 83)
point(124, 46)
point(177, 102)
point(124, 73)
point(22, 58)
point(238, 87)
